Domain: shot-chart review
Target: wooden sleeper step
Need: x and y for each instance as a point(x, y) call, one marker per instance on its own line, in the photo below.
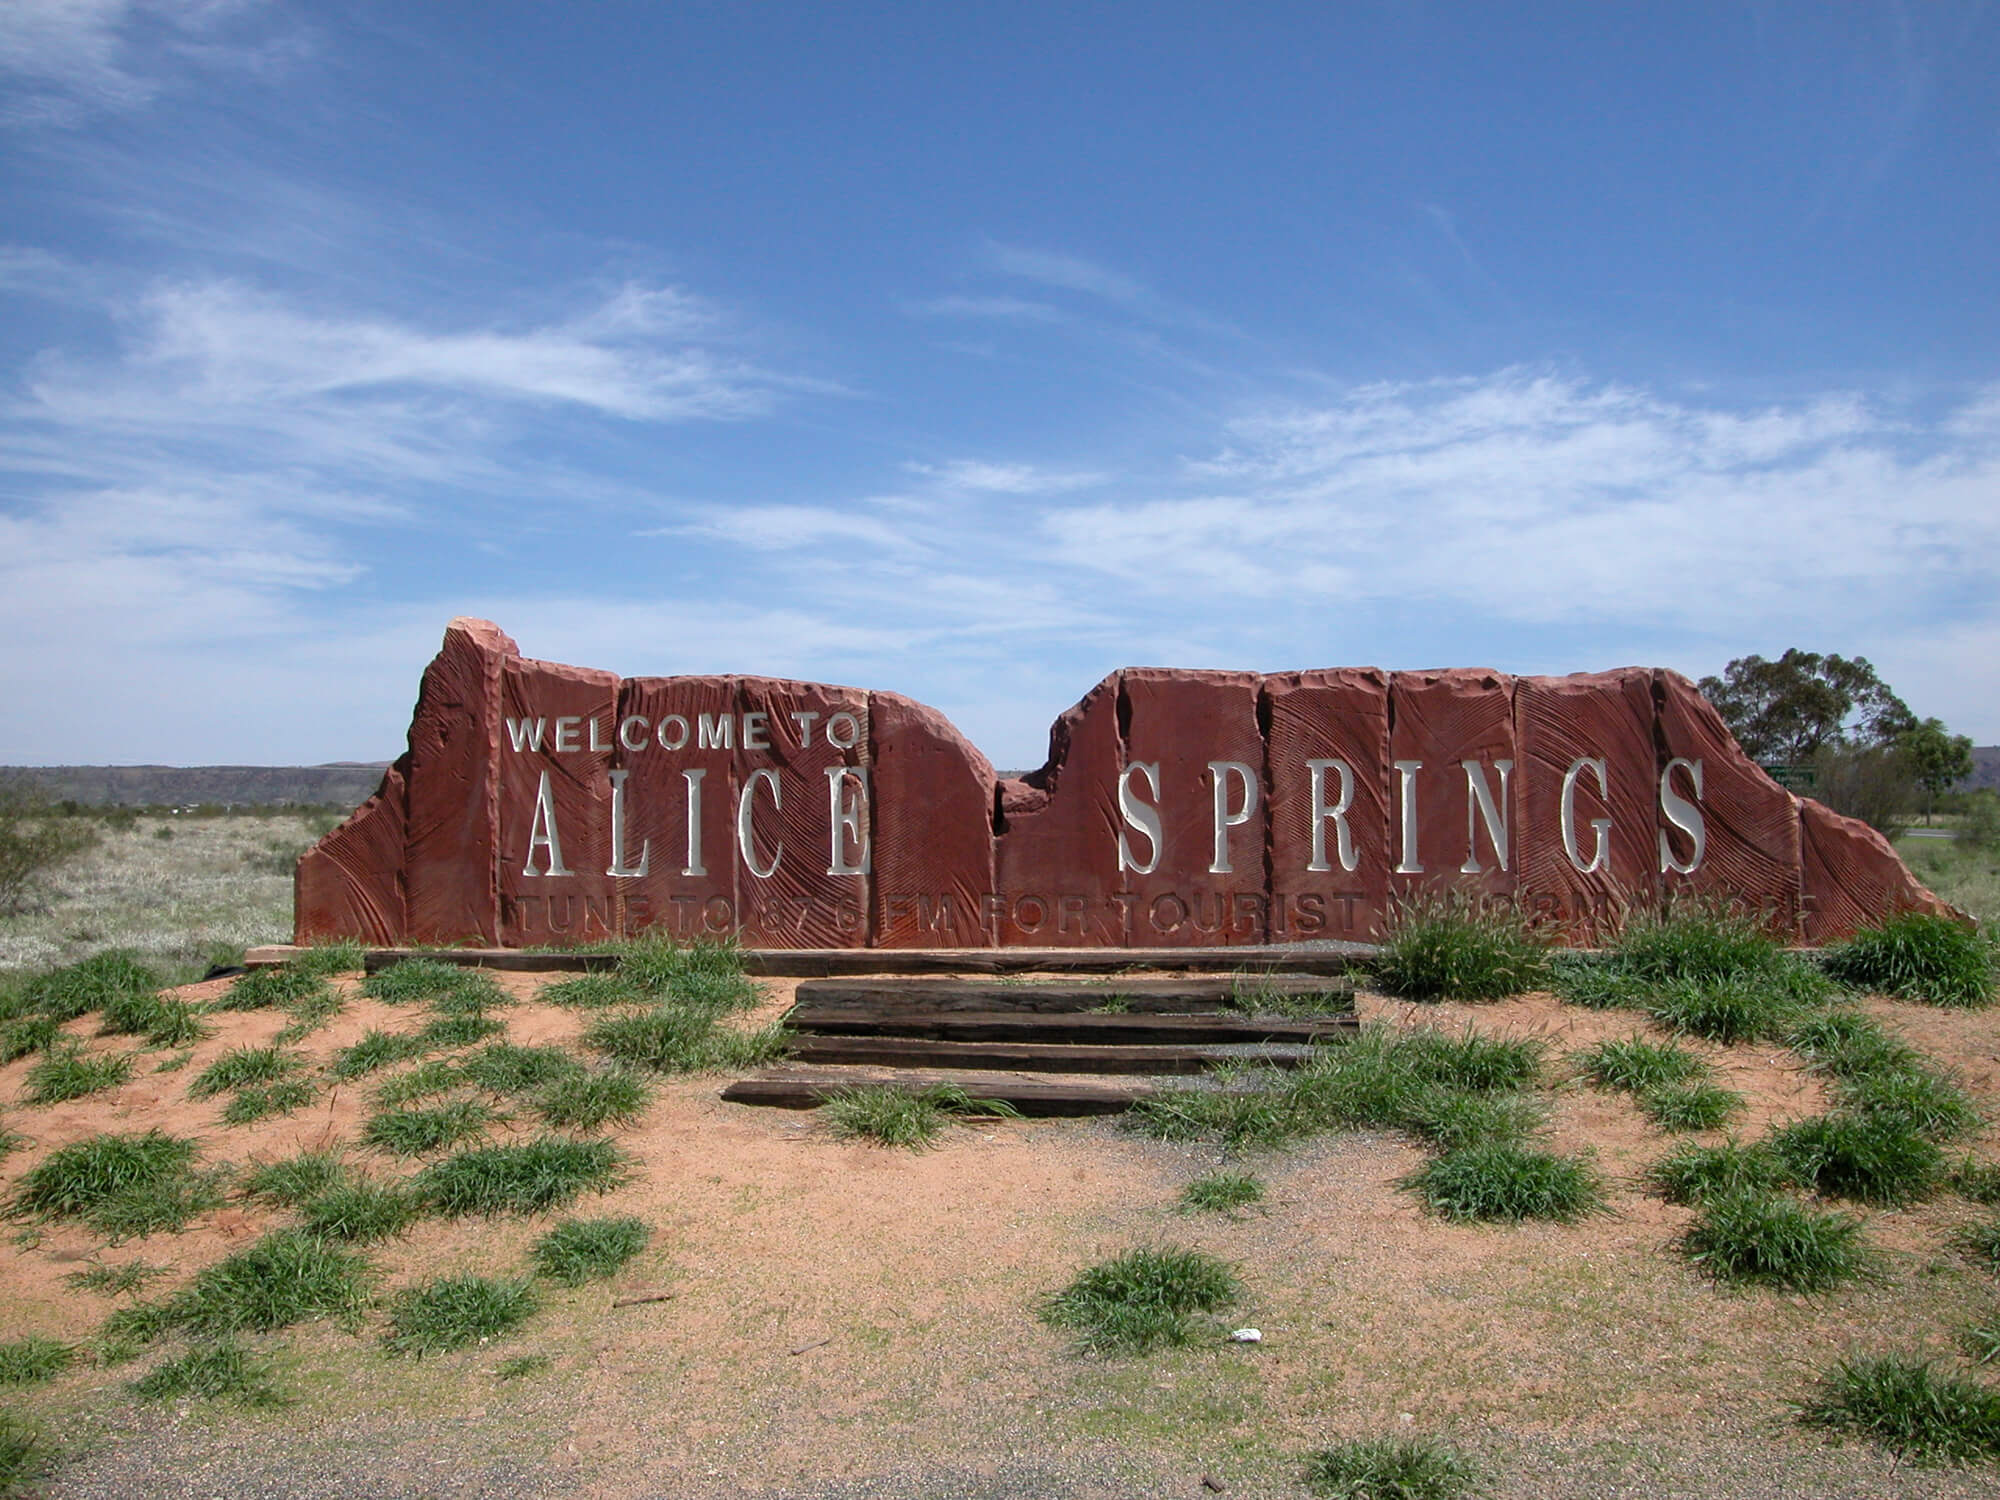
point(1070, 1027)
point(1169, 996)
point(808, 1088)
point(928, 1052)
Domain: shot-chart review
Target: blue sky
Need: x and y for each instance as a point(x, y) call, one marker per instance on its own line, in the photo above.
point(974, 352)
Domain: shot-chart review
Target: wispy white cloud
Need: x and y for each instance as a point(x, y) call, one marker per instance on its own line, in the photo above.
point(1003, 309)
point(71, 59)
point(974, 476)
point(1071, 273)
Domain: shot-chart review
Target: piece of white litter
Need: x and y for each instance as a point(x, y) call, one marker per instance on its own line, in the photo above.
point(1247, 1336)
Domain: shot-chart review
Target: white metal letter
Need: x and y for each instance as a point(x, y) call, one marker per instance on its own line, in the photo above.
point(694, 865)
point(542, 832)
point(625, 732)
point(1600, 854)
point(618, 866)
point(1480, 806)
point(1337, 813)
point(744, 846)
point(1219, 772)
point(1140, 815)
point(1406, 800)
point(715, 732)
point(1684, 815)
point(849, 821)
point(525, 734)
point(566, 728)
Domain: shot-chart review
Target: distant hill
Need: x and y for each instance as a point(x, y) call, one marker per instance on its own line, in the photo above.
point(1985, 769)
point(343, 784)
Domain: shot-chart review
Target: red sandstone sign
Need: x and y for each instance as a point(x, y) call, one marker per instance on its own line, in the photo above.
point(544, 804)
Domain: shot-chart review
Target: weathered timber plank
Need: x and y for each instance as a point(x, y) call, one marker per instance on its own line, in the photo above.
point(1010, 1026)
point(929, 1052)
point(1153, 996)
point(808, 963)
point(786, 1088)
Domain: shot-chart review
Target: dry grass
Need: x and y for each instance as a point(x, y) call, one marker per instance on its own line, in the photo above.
point(217, 885)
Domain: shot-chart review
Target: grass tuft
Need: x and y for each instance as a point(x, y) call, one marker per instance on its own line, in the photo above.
point(68, 1072)
point(287, 1096)
point(1391, 1469)
point(905, 1117)
point(33, 1360)
point(273, 989)
point(596, 991)
point(1980, 1240)
point(27, 1034)
point(1636, 1065)
point(119, 1184)
point(242, 1067)
point(1981, 1340)
point(1745, 1236)
point(580, 1250)
point(77, 989)
point(345, 956)
point(1918, 957)
point(162, 1022)
point(521, 1366)
point(1221, 1193)
point(25, 1454)
point(450, 1312)
point(1507, 1182)
point(679, 1040)
point(1143, 1300)
point(440, 1075)
point(504, 1068)
point(296, 1180)
point(1693, 1174)
point(1691, 1106)
point(360, 1213)
point(222, 1369)
point(1453, 948)
point(1867, 1158)
point(1698, 944)
point(419, 1132)
point(592, 1100)
point(115, 1281)
point(286, 1277)
point(461, 1030)
point(534, 1177)
point(417, 980)
point(1906, 1407)
point(376, 1049)
point(1743, 1008)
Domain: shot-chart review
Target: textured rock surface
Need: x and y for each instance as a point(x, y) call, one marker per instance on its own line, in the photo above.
point(799, 815)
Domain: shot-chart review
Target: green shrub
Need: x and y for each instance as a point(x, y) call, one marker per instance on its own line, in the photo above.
point(1455, 949)
point(68, 1072)
point(345, 956)
point(286, 1277)
point(1636, 1065)
point(1691, 1106)
point(540, 1175)
point(593, 992)
point(376, 1049)
point(1505, 1181)
point(897, 1116)
point(1761, 1239)
point(580, 1250)
point(450, 1312)
point(285, 1097)
point(419, 979)
point(1142, 1300)
point(419, 1132)
point(1691, 1174)
point(592, 1100)
point(1904, 1406)
point(32, 1360)
point(296, 1180)
point(360, 1213)
point(1221, 1193)
point(210, 1372)
point(272, 989)
point(1391, 1469)
point(1916, 957)
point(244, 1066)
point(1868, 1158)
